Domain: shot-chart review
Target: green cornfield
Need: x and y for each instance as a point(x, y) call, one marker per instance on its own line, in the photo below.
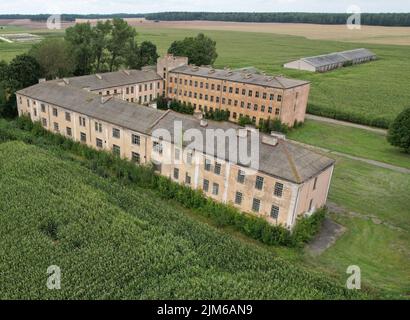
point(116, 241)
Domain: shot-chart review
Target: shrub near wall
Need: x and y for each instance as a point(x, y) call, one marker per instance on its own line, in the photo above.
point(110, 166)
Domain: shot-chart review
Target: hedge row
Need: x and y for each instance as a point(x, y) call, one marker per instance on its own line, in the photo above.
point(108, 165)
point(348, 116)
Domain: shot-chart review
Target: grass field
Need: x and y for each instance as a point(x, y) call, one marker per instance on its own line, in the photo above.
point(115, 241)
point(372, 91)
point(367, 34)
point(381, 250)
point(352, 141)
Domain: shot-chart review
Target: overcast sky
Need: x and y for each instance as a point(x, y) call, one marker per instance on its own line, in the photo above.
point(144, 6)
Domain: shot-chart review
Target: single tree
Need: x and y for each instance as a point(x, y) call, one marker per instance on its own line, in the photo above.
point(54, 58)
point(121, 36)
point(144, 55)
point(99, 43)
point(79, 37)
point(200, 50)
point(23, 71)
point(399, 131)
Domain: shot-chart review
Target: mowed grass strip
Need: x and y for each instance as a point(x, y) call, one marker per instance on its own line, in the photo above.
point(115, 241)
point(352, 141)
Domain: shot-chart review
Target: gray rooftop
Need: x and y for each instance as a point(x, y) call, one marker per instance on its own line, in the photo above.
point(113, 79)
point(240, 76)
point(339, 57)
point(286, 160)
point(115, 111)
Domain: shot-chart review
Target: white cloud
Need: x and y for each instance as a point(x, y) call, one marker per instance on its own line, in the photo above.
point(143, 6)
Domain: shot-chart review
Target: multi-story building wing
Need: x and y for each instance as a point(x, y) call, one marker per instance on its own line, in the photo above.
point(240, 92)
point(139, 86)
point(289, 180)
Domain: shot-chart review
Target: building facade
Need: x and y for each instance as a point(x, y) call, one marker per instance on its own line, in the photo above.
point(288, 182)
point(138, 86)
point(240, 92)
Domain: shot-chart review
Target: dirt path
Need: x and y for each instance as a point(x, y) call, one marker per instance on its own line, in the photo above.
point(368, 161)
point(346, 124)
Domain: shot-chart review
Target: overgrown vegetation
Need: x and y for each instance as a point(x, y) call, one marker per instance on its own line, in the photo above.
point(108, 165)
point(217, 115)
point(23, 71)
point(164, 103)
point(200, 50)
point(399, 132)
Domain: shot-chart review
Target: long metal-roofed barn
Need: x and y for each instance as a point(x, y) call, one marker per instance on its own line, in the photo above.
point(331, 61)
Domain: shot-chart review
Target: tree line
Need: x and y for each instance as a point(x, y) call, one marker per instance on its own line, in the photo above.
point(376, 19)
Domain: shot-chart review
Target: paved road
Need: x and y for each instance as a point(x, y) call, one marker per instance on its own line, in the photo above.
point(369, 161)
point(346, 124)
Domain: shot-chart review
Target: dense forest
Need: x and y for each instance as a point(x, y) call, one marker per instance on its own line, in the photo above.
point(379, 19)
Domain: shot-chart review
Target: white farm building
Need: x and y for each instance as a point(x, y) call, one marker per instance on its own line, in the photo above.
point(332, 61)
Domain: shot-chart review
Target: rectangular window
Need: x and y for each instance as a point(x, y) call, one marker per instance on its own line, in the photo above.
point(187, 178)
point(82, 121)
point(207, 165)
point(215, 189)
point(56, 127)
point(278, 189)
point(68, 116)
point(98, 127)
point(259, 183)
point(274, 212)
point(116, 133)
point(279, 98)
point(98, 143)
point(55, 112)
point(35, 112)
point(256, 204)
point(238, 198)
point(44, 122)
point(176, 173)
point(83, 137)
point(241, 176)
point(69, 132)
point(217, 169)
point(116, 150)
point(205, 186)
point(157, 146)
point(135, 139)
point(135, 157)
